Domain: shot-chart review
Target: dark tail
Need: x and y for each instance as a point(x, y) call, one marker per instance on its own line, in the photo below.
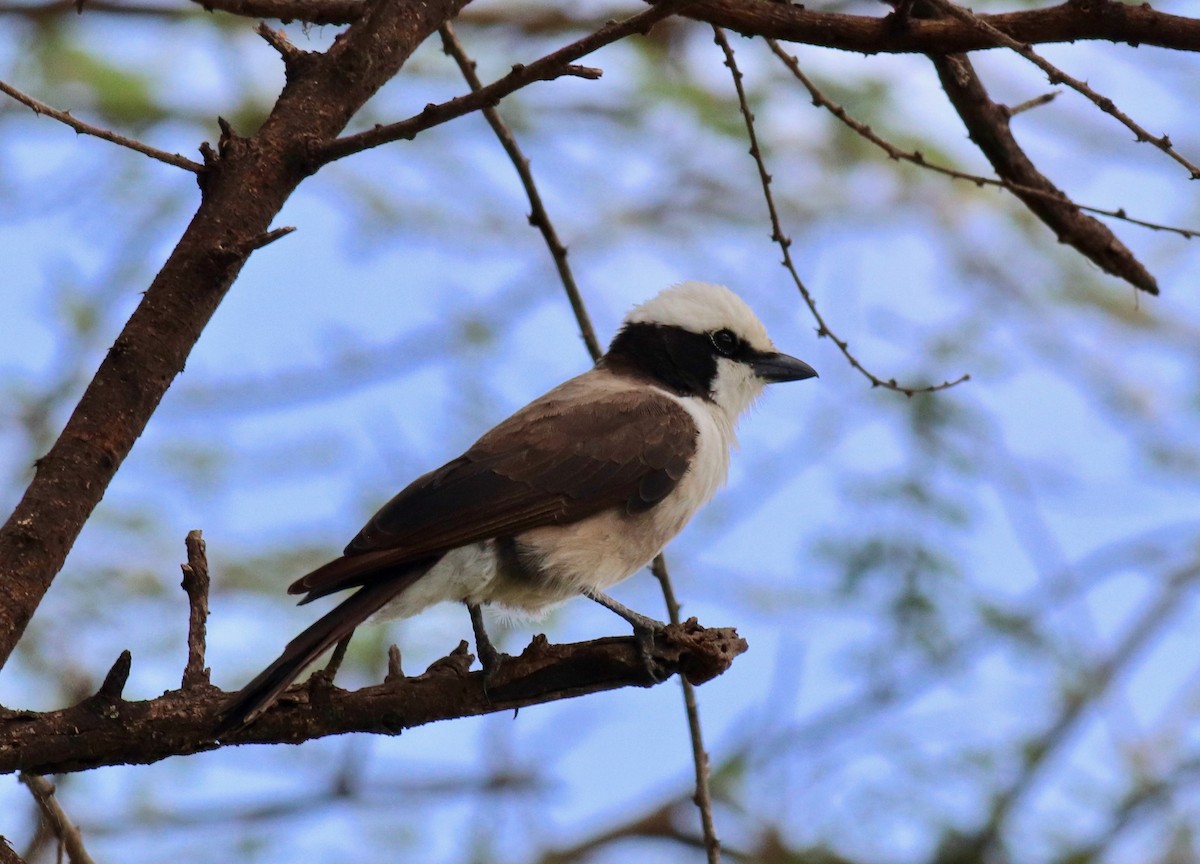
point(257, 696)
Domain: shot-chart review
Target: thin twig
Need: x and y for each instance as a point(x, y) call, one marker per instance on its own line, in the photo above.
point(553, 65)
point(195, 585)
point(917, 158)
point(541, 219)
point(538, 216)
point(65, 830)
point(703, 799)
point(278, 40)
point(1035, 102)
point(1057, 76)
point(784, 242)
point(88, 129)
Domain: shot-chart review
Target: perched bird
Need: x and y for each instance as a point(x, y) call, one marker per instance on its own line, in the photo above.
point(570, 495)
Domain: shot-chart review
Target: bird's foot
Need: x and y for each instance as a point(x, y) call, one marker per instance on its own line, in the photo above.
point(645, 629)
point(644, 636)
point(489, 658)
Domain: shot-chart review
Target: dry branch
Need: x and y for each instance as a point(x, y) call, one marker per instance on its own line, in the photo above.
point(987, 124)
point(700, 763)
point(554, 65)
point(195, 585)
point(785, 243)
point(540, 218)
point(101, 731)
point(1068, 22)
point(83, 128)
point(1058, 76)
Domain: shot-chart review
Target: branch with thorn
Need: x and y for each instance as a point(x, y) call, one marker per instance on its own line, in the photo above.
point(106, 729)
point(554, 65)
point(83, 128)
point(987, 125)
point(1057, 76)
point(915, 157)
point(785, 242)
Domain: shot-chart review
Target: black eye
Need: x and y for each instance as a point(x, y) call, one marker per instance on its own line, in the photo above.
point(724, 341)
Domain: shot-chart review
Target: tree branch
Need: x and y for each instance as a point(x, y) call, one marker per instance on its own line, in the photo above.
point(785, 243)
point(1103, 20)
point(309, 11)
point(988, 126)
point(1068, 22)
point(553, 65)
point(61, 826)
point(1057, 76)
point(538, 217)
point(105, 732)
point(700, 762)
point(916, 157)
point(319, 98)
point(195, 585)
point(96, 131)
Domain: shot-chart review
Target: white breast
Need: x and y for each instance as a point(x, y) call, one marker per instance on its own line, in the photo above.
point(603, 550)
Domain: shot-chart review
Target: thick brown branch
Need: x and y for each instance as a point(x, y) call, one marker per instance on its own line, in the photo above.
point(100, 732)
point(1134, 24)
point(988, 126)
point(1067, 22)
point(320, 97)
point(310, 11)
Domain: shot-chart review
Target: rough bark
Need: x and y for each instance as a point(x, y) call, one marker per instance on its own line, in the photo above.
point(107, 730)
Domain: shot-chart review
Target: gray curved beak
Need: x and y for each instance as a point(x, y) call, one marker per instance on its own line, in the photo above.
point(773, 368)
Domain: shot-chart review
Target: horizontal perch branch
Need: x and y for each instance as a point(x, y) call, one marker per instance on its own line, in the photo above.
point(103, 730)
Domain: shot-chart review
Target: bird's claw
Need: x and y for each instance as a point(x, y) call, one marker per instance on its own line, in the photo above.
point(491, 660)
point(644, 635)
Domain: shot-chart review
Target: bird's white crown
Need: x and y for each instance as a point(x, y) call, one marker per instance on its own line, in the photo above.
point(701, 307)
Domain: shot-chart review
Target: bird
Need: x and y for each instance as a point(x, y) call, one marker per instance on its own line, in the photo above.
point(569, 496)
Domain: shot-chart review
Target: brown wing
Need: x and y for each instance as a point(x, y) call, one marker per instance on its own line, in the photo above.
point(563, 457)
